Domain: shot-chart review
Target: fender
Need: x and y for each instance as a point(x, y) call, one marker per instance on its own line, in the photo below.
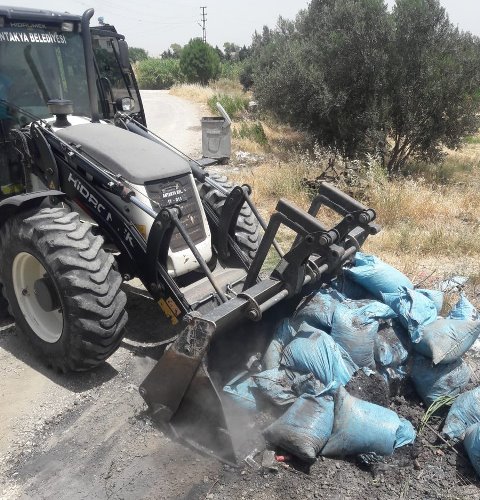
point(15, 204)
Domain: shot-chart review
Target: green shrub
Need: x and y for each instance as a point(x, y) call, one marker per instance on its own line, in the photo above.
point(158, 74)
point(233, 104)
point(137, 54)
point(199, 62)
point(231, 70)
point(253, 131)
point(360, 78)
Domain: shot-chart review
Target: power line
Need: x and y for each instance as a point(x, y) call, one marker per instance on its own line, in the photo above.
point(204, 23)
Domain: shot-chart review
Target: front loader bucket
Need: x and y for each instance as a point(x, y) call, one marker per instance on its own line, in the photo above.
point(208, 421)
point(201, 418)
point(181, 392)
point(204, 416)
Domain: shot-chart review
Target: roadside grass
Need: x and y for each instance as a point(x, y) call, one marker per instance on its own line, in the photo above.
point(428, 230)
point(250, 132)
point(235, 105)
point(456, 166)
point(193, 92)
point(473, 139)
point(201, 94)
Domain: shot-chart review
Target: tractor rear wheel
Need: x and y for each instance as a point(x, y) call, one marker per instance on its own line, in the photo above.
point(62, 288)
point(247, 232)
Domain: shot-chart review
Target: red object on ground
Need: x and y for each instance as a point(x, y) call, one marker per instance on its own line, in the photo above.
point(282, 458)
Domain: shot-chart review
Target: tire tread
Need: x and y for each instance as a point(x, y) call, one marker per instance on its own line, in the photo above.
point(94, 303)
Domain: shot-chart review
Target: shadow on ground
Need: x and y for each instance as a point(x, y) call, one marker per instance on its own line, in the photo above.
point(145, 337)
point(13, 341)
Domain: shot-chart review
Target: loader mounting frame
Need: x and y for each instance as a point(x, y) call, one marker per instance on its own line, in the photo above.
point(315, 256)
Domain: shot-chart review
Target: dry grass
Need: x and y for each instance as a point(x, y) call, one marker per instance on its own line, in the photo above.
point(275, 178)
point(201, 94)
point(281, 139)
point(247, 145)
point(193, 92)
point(431, 233)
point(428, 231)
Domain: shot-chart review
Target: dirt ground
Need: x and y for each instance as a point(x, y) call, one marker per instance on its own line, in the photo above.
point(88, 436)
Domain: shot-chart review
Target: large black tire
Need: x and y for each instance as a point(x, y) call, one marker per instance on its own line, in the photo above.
point(247, 232)
point(4, 313)
point(82, 279)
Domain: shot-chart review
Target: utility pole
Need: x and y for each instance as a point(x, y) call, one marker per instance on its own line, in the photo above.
point(204, 23)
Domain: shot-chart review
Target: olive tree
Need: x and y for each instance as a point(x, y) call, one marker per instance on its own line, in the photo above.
point(326, 72)
point(357, 76)
point(433, 82)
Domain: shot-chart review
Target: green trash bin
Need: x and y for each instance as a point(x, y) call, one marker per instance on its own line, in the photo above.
point(217, 136)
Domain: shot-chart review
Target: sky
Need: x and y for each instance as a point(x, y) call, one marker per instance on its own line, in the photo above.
point(155, 25)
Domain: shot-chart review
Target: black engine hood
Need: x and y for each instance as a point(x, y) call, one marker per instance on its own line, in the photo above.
point(135, 158)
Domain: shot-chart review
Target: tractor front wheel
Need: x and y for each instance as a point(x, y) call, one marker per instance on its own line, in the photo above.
point(62, 288)
point(4, 313)
point(247, 230)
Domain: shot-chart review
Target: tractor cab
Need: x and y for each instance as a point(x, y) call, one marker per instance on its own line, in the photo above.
point(48, 56)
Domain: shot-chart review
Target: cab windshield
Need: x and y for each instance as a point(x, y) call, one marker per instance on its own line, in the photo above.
point(41, 64)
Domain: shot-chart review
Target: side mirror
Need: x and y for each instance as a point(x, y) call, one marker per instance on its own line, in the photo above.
point(123, 55)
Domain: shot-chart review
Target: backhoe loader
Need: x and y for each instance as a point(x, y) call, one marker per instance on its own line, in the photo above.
point(90, 198)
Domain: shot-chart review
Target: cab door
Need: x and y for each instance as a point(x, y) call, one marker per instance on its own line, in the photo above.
point(115, 77)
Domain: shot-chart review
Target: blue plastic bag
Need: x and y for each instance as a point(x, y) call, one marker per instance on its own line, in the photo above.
point(471, 442)
point(350, 289)
point(240, 390)
point(363, 427)
point(283, 335)
point(373, 309)
point(392, 346)
point(279, 385)
point(314, 351)
point(436, 296)
point(446, 340)
point(308, 384)
point(464, 412)
point(414, 310)
point(356, 329)
point(376, 276)
point(318, 309)
point(304, 428)
point(463, 309)
point(432, 382)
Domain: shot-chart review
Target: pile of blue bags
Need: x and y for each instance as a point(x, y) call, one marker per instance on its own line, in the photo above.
point(370, 318)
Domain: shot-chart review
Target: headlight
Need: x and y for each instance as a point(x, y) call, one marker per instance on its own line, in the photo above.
point(125, 104)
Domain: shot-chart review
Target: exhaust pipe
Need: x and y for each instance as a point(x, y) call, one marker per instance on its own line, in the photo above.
point(91, 75)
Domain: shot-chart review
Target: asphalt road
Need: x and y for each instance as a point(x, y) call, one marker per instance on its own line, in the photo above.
point(174, 119)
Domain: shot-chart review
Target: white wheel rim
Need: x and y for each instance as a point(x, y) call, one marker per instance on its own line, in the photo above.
point(26, 270)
